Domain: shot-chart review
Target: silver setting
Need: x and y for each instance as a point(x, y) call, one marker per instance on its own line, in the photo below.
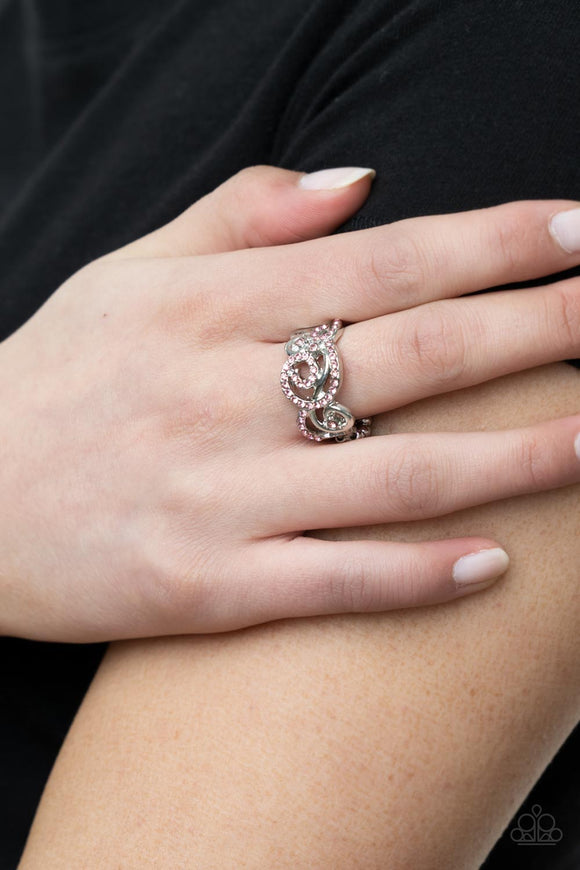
point(320, 417)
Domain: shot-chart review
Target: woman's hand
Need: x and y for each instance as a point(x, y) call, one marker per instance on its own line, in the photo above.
point(153, 479)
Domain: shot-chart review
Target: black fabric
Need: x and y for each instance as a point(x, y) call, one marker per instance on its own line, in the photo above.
point(116, 115)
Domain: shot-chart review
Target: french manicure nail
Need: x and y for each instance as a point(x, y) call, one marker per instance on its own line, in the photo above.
point(565, 228)
point(332, 179)
point(480, 567)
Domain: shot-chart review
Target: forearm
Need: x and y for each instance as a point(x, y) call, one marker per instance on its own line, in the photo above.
point(389, 740)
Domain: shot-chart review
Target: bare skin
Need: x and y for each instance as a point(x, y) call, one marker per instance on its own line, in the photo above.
point(158, 366)
point(389, 740)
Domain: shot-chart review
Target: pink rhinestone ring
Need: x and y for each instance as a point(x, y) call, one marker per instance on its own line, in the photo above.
point(314, 349)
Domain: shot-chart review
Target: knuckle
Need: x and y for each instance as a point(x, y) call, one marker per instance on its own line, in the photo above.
point(190, 306)
point(243, 193)
point(175, 576)
point(212, 413)
point(251, 174)
point(434, 344)
point(411, 483)
point(350, 587)
point(238, 186)
point(244, 180)
point(516, 233)
point(565, 304)
point(534, 459)
point(184, 582)
point(390, 270)
point(183, 567)
point(209, 320)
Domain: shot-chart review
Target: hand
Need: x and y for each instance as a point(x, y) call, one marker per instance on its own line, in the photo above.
point(153, 480)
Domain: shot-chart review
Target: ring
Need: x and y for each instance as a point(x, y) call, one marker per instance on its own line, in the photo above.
point(315, 348)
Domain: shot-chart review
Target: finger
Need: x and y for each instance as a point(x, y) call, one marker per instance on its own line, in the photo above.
point(308, 577)
point(448, 345)
point(259, 206)
point(359, 275)
point(411, 476)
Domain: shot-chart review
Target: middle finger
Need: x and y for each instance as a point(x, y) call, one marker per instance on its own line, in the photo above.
point(368, 273)
point(400, 358)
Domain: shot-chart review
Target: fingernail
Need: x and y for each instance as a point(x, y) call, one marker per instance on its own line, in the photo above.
point(332, 179)
point(480, 567)
point(577, 445)
point(565, 227)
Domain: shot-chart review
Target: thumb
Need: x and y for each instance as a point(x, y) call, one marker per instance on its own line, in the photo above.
point(259, 206)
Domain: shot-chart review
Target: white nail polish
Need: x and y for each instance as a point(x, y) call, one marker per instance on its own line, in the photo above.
point(565, 228)
point(480, 567)
point(332, 179)
point(577, 445)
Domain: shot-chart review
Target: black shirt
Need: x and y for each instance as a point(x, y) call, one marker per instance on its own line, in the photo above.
point(117, 114)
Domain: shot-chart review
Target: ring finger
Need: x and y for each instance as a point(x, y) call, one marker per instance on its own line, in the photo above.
point(399, 358)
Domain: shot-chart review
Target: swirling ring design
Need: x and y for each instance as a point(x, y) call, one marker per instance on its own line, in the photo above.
point(320, 417)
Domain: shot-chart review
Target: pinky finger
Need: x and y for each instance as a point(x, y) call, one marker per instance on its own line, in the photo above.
point(309, 576)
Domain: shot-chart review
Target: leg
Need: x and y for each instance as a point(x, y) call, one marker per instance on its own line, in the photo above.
point(392, 740)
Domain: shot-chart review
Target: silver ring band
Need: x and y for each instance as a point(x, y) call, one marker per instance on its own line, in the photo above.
point(315, 347)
